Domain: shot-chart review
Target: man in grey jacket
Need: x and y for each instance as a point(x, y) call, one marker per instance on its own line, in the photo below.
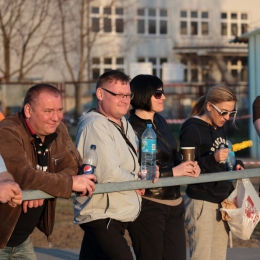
point(104, 217)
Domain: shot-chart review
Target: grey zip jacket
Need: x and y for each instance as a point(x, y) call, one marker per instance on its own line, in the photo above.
point(116, 163)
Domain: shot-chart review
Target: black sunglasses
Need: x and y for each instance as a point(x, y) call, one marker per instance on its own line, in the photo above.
point(158, 94)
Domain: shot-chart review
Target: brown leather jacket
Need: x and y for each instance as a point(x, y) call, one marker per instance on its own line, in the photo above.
point(18, 151)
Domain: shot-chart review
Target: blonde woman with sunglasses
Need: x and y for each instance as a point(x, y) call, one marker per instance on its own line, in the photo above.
point(158, 232)
point(204, 130)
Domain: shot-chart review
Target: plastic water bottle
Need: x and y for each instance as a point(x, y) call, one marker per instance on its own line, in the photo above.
point(90, 161)
point(148, 154)
point(231, 159)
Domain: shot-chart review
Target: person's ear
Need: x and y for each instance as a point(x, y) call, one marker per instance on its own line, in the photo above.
point(99, 94)
point(208, 107)
point(27, 110)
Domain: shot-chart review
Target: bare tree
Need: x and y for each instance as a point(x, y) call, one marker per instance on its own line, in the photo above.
point(27, 30)
point(78, 37)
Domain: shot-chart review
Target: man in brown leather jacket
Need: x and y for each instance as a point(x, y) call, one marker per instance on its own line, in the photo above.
point(40, 154)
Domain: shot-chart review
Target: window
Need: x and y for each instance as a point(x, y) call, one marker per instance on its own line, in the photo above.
point(204, 28)
point(107, 19)
point(119, 25)
point(184, 30)
point(194, 75)
point(95, 10)
point(223, 28)
point(163, 13)
point(102, 64)
point(193, 14)
point(194, 28)
point(156, 63)
point(244, 28)
point(140, 26)
point(95, 60)
point(234, 16)
point(234, 23)
point(195, 23)
point(107, 25)
point(183, 14)
point(152, 60)
point(141, 59)
point(196, 68)
point(140, 12)
point(237, 67)
point(243, 16)
point(119, 11)
point(120, 61)
point(204, 15)
point(152, 12)
point(163, 27)
point(107, 60)
point(152, 27)
point(151, 21)
point(95, 24)
point(223, 15)
point(234, 31)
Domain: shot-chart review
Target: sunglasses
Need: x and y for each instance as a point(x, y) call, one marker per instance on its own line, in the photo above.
point(158, 94)
point(224, 113)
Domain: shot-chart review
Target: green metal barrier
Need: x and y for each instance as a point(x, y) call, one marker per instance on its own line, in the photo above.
point(163, 182)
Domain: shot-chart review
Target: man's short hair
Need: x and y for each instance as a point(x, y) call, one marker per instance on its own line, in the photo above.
point(112, 75)
point(144, 86)
point(32, 95)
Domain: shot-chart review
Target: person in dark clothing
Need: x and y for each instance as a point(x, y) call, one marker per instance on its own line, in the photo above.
point(208, 234)
point(256, 114)
point(158, 232)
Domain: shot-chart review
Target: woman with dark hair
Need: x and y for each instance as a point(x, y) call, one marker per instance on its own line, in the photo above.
point(208, 233)
point(158, 232)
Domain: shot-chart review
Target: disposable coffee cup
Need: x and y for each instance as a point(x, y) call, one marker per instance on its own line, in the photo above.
point(188, 153)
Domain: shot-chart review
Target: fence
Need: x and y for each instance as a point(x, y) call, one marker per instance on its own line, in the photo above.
point(162, 182)
point(179, 97)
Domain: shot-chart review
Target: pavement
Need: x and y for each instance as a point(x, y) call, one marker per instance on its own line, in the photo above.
point(72, 254)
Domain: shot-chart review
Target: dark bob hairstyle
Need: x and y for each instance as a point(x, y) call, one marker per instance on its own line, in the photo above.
point(143, 87)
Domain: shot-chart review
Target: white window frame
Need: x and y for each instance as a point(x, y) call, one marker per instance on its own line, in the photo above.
point(197, 19)
point(113, 16)
point(157, 18)
point(230, 21)
point(102, 66)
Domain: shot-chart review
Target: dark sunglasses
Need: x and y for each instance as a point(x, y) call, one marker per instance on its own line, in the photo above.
point(158, 94)
point(224, 113)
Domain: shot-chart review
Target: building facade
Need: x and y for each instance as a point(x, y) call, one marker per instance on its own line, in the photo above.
point(194, 33)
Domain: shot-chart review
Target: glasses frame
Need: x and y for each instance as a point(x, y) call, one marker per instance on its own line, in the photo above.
point(224, 113)
point(158, 93)
point(120, 96)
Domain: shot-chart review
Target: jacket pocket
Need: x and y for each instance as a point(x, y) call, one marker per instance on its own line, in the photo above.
point(58, 158)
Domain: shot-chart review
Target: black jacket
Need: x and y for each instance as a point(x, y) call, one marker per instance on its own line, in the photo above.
point(198, 133)
point(166, 153)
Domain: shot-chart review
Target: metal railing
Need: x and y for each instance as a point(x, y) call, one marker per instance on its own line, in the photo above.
point(162, 182)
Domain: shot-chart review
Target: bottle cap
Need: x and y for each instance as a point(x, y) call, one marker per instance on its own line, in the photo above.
point(93, 147)
point(149, 125)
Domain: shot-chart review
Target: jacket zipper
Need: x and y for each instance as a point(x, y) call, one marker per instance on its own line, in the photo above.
point(56, 160)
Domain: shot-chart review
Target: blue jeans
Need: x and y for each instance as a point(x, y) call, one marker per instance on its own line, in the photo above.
point(25, 251)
